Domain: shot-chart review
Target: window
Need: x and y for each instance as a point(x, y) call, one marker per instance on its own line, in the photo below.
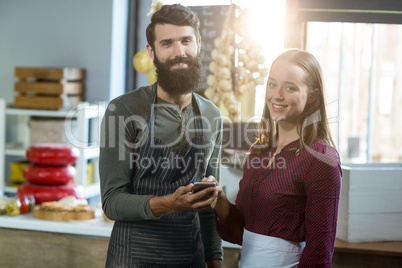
point(362, 73)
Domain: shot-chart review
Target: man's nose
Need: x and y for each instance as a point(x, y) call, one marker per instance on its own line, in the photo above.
point(179, 50)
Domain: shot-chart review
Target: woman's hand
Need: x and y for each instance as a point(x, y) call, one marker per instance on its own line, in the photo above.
point(222, 206)
point(218, 188)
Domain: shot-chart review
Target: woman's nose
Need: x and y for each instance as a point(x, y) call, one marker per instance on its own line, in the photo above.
point(278, 94)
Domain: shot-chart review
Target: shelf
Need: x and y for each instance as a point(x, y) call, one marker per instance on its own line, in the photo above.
point(16, 149)
point(94, 227)
point(90, 110)
point(44, 113)
point(91, 153)
point(15, 152)
point(17, 145)
point(91, 190)
point(10, 189)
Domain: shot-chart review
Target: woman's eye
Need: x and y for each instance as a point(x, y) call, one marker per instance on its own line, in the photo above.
point(271, 85)
point(290, 88)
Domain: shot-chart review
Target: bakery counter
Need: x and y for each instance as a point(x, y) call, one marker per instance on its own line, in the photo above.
point(95, 227)
point(30, 242)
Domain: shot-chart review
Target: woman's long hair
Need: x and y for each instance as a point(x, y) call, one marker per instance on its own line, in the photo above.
point(313, 122)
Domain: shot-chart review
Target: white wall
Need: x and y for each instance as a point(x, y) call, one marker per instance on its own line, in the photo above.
point(143, 21)
point(119, 43)
point(57, 33)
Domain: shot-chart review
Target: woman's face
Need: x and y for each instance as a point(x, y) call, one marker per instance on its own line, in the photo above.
point(286, 94)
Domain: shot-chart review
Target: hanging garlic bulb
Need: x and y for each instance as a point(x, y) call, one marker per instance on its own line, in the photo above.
point(220, 82)
point(247, 74)
point(155, 6)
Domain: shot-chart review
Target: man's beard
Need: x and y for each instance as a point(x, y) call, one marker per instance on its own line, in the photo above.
point(179, 81)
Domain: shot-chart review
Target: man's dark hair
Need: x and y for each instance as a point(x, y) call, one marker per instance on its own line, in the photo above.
point(172, 14)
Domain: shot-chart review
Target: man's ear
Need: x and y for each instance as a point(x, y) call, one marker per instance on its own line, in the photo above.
point(313, 96)
point(199, 45)
point(150, 51)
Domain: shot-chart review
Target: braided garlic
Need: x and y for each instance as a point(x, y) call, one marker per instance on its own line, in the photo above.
point(247, 72)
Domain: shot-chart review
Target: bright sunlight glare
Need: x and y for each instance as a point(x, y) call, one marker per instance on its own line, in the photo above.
point(267, 26)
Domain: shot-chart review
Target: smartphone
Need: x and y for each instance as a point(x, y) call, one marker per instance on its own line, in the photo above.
point(200, 185)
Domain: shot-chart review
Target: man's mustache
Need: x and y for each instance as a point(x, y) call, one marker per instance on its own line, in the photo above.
point(187, 60)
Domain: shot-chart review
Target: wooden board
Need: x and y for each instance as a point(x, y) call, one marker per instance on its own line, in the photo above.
point(47, 102)
point(50, 88)
point(61, 215)
point(50, 73)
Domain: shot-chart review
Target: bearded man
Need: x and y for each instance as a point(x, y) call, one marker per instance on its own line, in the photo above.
point(156, 141)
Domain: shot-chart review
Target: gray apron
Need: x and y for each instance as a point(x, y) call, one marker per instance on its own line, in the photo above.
point(174, 240)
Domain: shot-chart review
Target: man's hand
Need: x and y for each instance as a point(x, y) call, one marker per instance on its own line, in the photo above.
point(184, 199)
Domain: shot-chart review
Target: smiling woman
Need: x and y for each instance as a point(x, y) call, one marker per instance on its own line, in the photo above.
point(277, 217)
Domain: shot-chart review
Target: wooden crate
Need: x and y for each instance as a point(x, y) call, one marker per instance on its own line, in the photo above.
point(49, 88)
point(371, 203)
point(57, 74)
point(42, 102)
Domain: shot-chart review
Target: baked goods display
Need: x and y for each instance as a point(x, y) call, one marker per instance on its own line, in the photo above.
point(60, 207)
point(66, 209)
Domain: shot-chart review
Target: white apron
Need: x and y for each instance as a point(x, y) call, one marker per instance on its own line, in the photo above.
point(269, 252)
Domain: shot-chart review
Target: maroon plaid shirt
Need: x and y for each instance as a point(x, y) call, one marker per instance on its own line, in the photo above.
point(296, 199)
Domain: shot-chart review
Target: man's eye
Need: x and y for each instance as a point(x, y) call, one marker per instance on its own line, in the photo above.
point(290, 88)
point(271, 85)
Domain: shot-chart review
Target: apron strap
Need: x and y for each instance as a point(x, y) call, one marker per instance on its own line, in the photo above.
point(151, 120)
point(198, 120)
